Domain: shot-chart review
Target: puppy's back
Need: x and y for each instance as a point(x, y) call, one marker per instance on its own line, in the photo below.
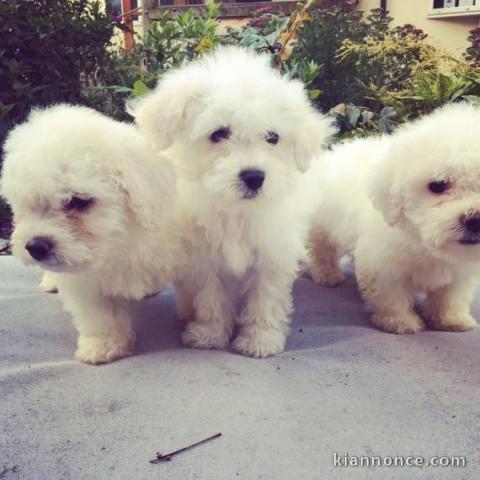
point(342, 189)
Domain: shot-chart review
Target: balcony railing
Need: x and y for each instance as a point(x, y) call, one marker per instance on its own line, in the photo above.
point(228, 8)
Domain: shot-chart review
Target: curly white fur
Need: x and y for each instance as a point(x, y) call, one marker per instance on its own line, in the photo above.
point(246, 249)
point(405, 239)
point(125, 245)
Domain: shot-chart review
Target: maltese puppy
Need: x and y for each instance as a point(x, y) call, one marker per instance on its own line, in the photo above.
point(96, 207)
point(241, 136)
point(407, 208)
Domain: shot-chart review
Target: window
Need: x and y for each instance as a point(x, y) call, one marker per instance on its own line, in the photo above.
point(165, 3)
point(454, 8)
point(114, 8)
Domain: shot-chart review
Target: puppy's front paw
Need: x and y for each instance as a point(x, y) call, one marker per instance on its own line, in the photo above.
point(47, 284)
point(259, 342)
point(185, 311)
point(326, 276)
point(97, 350)
point(454, 323)
point(399, 324)
point(205, 336)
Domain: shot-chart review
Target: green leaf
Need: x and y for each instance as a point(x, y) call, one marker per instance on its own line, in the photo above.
point(388, 112)
point(474, 99)
point(353, 115)
point(367, 116)
point(5, 109)
point(384, 125)
point(139, 88)
point(204, 45)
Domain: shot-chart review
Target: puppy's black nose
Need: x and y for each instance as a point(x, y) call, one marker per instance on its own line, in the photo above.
point(39, 248)
point(253, 179)
point(472, 223)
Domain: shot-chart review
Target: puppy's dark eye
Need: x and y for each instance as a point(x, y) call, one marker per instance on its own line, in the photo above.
point(439, 186)
point(78, 203)
point(272, 137)
point(220, 134)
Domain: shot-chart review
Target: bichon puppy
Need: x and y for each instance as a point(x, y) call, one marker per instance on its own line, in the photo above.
point(96, 207)
point(407, 208)
point(241, 136)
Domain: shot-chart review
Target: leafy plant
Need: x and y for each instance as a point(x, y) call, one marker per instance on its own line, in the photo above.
point(472, 94)
point(50, 50)
point(355, 121)
point(432, 90)
point(271, 33)
point(388, 58)
point(171, 41)
point(318, 40)
point(472, 54)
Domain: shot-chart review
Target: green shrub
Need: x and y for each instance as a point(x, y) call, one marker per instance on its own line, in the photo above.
point(472, 54)
point(387, 59)
point(51, 50)
point(319, 40)
point(431, 90)
point(172, 40)
point(369, 75)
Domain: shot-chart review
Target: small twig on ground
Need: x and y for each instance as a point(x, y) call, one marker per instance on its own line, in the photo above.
point(168, 456)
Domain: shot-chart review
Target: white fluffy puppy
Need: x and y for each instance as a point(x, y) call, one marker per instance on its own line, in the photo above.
point(93, 204)
point(241, 136)
point(407, 207)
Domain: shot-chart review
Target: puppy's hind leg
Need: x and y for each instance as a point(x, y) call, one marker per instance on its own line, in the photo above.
point(448, 308)
point(184, 301)
point(104, 325)
point(324, 259)
point(390, 301)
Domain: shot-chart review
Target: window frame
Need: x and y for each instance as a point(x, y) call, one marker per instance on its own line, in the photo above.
point(465, 11)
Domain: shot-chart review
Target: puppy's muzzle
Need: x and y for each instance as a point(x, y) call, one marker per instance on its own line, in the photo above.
point(252, 181)
point(471, 229)
point(40, 248)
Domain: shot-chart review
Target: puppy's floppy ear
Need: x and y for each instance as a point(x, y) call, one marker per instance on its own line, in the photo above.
point(385, 192)
point(161, 113)
point(149, 184)
point(315, 132)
